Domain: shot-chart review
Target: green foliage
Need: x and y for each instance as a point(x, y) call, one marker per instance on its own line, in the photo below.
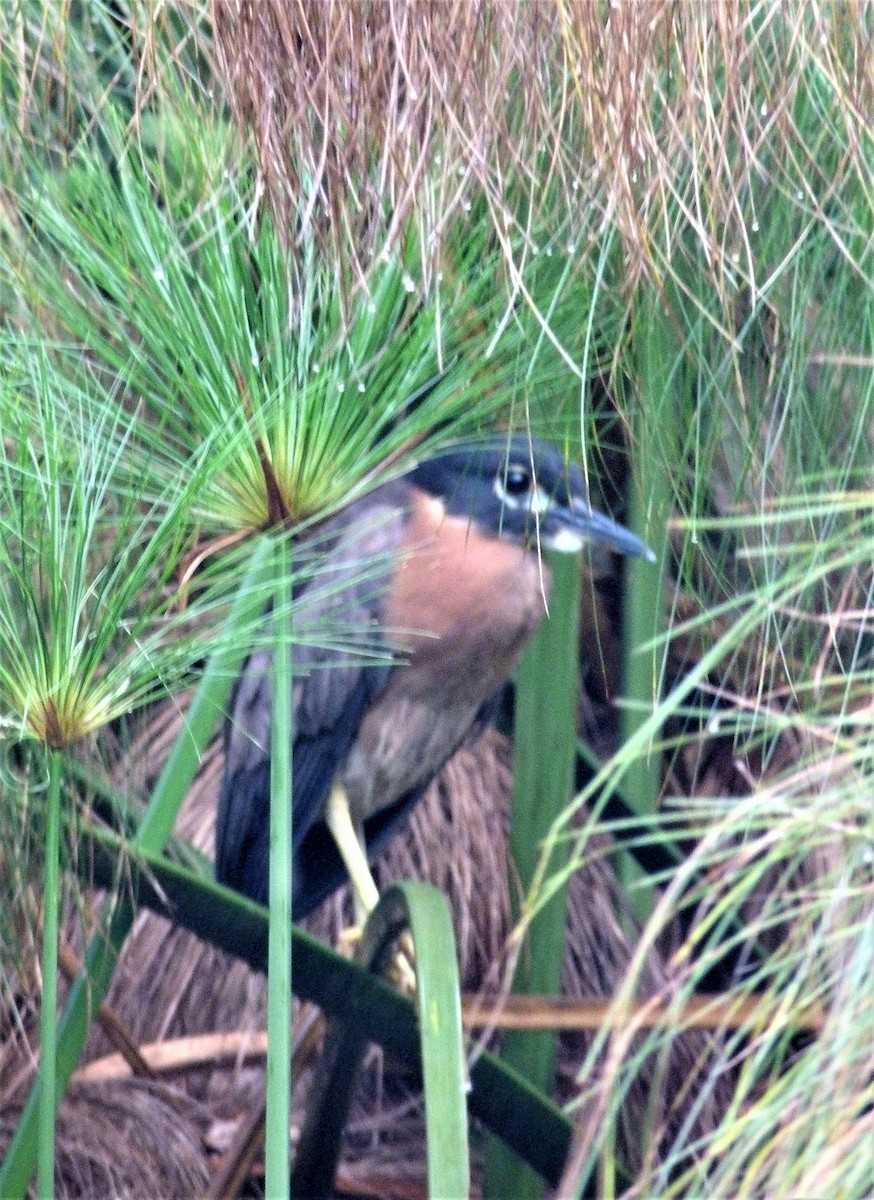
point(424, 912)
point(89, 614)
point(179, 365)
point(151, 835)
point(279, 983)
point(498, 1096)
point(543, 762)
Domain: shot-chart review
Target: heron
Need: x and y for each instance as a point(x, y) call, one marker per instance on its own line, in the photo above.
point(442, 568)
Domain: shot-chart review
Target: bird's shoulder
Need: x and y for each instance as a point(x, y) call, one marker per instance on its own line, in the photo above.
point(342, 571)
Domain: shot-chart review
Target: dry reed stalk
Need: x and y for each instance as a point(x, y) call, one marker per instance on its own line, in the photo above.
point(658, 117)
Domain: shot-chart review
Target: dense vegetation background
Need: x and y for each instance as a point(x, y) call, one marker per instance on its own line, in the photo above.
point(255, 257)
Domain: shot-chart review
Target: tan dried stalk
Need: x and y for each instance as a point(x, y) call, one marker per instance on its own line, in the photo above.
point(657, 116)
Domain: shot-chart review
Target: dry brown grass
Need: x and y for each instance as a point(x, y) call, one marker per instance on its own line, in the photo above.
point(655, 117)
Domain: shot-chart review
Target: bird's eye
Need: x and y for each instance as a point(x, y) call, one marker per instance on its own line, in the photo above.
point(516, 480)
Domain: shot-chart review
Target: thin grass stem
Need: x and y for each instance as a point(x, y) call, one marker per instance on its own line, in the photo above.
point(48, 1012)
point(277, 1151)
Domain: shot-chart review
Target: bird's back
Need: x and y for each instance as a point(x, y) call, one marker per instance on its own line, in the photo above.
point(341, 663)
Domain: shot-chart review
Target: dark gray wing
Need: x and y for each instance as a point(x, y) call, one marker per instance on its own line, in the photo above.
point(333, 688)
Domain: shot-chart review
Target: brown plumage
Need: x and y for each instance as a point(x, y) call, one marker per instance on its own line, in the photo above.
point(440, 571)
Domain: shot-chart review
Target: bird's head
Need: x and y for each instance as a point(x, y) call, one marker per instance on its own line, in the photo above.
point(523, 491)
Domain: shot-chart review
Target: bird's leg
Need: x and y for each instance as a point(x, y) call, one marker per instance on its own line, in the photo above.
point(349, 839)
point(350, 842)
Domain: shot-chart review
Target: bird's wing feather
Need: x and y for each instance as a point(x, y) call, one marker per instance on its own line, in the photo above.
point(332, 688)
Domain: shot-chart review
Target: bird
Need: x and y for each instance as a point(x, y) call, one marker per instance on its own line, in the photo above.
point(438, 575)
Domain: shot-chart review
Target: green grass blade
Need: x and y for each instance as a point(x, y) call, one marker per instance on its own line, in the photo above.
point(49, 1006)
point(438, 1002)
point(277, 1154)
point(650, 502)
point(20, 1159)
point(91, 984)
point(545, 736)
point(425, 913)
